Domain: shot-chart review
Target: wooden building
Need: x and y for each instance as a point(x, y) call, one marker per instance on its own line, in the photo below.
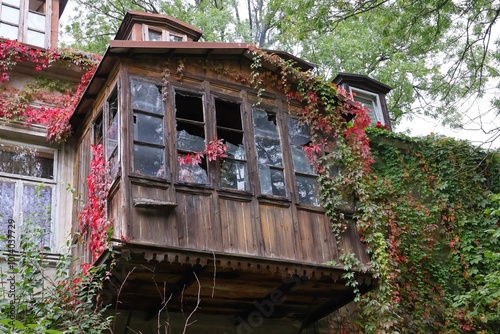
point(240, 242)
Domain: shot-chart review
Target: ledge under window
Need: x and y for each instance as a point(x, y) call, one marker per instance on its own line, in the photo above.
point(149, 202)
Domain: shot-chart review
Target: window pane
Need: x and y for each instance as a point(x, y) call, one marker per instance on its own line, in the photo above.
point(37, 209)
point(114, 165)
point(272, 181)
point(148, 129)
point(7, 192)
point(149, 161)
point(371, 105)
point(36, 21)
point(234, 140)
point(264, 123)
point(190, 137)
point(175, 38)
point(300, 134)
point(8, 31)
point(10, 15)
point(192, 173)
point(154, 35)
point(112, 131)
point(233, 174)
point(269, 151)
point(36, 38)
point(26, 161)
point(147, 97)
point(300, 161)
point(307, 190)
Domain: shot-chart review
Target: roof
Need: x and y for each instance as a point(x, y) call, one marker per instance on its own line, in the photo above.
point(361, 81)
point(166, 49)
point(132, 17)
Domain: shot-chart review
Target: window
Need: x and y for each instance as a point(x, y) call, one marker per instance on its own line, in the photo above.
point(112, 135)
point(157, 34)
point(149, 141)
point(230, 128)
point(26, 190)
point(305, 175)
point(372, 102)
point(190, 119)
point(33, 12)
point(269, 154)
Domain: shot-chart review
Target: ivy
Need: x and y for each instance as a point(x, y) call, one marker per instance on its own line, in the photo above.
point(93, 217)
point(41, 101)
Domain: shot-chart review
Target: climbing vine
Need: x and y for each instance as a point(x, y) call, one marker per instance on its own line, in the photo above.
point(426, 209)
point(43, 101)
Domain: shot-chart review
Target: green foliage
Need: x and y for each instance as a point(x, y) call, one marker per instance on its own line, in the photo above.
point(428, 216)
point(42, 296)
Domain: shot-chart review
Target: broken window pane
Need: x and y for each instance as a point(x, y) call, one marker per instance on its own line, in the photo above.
point(190, 137)
point(147, 96)
point(230, 129)
point(154, 35)
point(269, 154)
point(149, 161)
point(192, 173)
point(307, 187)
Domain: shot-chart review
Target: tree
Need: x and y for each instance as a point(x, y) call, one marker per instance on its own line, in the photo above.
point(436, 54)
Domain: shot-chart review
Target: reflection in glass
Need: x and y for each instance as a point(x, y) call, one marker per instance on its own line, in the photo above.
point(192, 173)
point(26, 161)
point(148, 129)
point(149, 161)
point(307, 190)
point(233, 174)
point(269, 154)
point(147, 97)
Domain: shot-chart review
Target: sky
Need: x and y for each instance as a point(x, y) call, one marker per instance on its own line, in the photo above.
point(477, 118)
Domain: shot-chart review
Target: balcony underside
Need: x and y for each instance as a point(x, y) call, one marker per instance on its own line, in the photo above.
point(236, 289)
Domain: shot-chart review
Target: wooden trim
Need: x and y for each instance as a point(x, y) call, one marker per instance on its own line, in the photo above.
point(148, 202)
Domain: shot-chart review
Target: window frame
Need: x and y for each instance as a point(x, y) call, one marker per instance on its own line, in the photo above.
point(133, 112)
point(282, 146)
point(244, 130)
point(165, 34)
point(296, 173)
point(20, 181)
point(22, 25)
point(378, 113)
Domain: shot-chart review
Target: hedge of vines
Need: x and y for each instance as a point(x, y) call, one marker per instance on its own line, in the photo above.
point(426, 207)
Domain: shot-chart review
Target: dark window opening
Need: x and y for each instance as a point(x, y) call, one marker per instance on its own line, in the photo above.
point(190, 138)
point(234, 173)
point(98, 129)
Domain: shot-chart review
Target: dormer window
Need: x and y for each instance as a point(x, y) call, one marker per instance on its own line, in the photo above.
point(157, 34)
point(370, 101)
point(369, 92)
point(33, 12)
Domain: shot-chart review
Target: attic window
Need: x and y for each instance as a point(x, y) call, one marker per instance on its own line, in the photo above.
point(157, 34)
point(372, 102)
